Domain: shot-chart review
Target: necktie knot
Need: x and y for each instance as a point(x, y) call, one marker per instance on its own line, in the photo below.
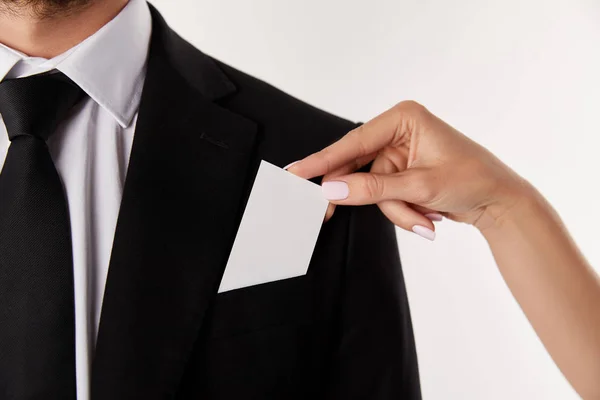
point(35, 105)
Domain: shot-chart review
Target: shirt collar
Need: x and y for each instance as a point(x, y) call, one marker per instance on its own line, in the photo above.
point(110, 65)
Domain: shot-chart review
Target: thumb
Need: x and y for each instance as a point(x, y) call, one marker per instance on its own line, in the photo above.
point(414, 185)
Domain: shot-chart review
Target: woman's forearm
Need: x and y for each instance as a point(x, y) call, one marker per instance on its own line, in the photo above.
point(555, 286)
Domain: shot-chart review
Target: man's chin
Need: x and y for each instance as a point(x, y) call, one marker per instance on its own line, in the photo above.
point(44, 8)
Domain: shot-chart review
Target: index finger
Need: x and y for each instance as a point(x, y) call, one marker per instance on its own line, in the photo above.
point(360, 142)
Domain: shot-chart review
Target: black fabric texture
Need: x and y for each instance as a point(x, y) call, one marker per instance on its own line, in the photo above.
point(37, 325)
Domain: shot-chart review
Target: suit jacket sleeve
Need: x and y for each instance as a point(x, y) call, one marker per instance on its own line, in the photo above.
point(376, 358)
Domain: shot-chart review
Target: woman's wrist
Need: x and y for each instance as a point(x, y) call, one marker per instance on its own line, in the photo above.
point(513, 206)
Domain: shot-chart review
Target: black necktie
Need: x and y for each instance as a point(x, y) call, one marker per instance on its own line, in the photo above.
point(37, 314)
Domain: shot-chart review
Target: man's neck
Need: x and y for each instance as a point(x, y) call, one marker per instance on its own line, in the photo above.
point(49, 36)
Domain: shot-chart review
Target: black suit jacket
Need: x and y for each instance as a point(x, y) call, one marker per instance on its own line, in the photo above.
point(343, 331)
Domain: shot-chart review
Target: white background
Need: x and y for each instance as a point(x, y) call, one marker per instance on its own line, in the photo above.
point(520, 77)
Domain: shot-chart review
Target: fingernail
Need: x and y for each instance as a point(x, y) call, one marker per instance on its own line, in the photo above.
point(424, 232)
point(290, 164)
point(335, 190)
point(435, 216)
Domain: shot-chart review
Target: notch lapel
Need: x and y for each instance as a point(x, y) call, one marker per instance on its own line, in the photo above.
point(178, 217)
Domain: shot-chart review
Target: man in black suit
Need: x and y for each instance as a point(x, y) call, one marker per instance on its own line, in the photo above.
point(342, 331)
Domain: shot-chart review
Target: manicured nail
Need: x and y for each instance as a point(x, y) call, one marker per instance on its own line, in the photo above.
point(290, 164)
point(435, 216)
point(424, 232)
point(335, 190)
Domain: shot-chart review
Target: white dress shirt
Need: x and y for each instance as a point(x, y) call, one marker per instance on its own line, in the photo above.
point(91, 152)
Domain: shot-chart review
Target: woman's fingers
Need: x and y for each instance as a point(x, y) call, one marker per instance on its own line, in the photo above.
point(403, 216)
point(419, 211)
point(433, 215)
point(415, 186)
point(350, 167)
point(429, 213)
point(345, 170)
point(371, 137)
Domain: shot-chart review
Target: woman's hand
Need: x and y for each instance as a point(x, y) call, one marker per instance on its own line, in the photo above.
point(422, 168)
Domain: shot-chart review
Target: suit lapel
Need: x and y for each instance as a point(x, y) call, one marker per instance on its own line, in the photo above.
point(178, 217)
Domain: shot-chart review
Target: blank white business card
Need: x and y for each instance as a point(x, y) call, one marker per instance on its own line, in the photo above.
point(278, 232)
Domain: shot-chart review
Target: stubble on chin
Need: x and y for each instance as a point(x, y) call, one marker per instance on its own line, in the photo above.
point(43, 9)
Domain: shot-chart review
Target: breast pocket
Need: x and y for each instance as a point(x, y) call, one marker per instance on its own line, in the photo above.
point(281, 303)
